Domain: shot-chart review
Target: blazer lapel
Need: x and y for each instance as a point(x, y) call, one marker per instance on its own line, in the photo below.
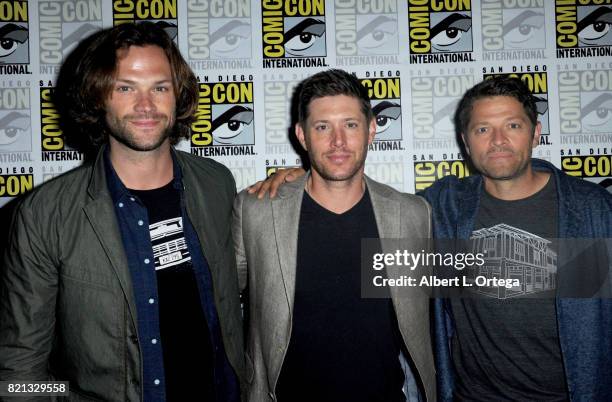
point(389, 218)
point(286, 219)
point(101, 215)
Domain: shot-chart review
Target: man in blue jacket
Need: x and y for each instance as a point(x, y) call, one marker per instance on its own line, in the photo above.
point(532, 346)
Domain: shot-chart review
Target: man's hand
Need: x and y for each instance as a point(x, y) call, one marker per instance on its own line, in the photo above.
point(272, 183)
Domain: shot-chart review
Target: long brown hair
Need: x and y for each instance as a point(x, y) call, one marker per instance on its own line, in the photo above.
point(87, 76)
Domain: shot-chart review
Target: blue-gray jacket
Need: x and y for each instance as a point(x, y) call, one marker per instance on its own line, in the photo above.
point(585, 325)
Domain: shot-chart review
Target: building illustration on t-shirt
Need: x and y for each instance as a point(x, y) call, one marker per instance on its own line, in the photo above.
point(512, 253)
point(169, 246)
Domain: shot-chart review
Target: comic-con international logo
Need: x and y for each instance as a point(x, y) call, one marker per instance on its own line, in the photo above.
point(160, 12)
point(61, 25)
point(293, 33)
point(536, 80)
point(366, 32)
point(512, 30)
point(585, 105)
point(15, 125)
point(583, 28)
point(595, 165)
point(440, 31)
point(14, 38)
point(219, 34)
point(434, 100)
point(224, 124)
point(427, 169)
point(386, 100)
point(15, 181)
point(52, 140)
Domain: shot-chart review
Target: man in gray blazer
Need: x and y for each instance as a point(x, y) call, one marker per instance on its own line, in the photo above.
point(311, 334)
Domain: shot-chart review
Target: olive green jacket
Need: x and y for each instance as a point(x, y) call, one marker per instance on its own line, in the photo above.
point(67, 309)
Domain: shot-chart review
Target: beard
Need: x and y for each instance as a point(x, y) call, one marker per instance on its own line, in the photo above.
point(122, 132)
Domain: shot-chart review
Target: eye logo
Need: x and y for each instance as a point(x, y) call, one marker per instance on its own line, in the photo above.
point(386, 114)
point(451, 32)
point(13, 43)
point(596, 115)
point(13, 127)
point(304, 37)
point(233, 126)
point(376, 34)
point(229, 37)
point(594, 26)
point(523, 29)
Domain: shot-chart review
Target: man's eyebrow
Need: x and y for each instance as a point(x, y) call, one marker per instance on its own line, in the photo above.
point(128, 81)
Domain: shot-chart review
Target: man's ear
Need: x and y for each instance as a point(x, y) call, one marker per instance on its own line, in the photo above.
point(299, 133)
point(371, 131)
point(537, 132)
point(467, 147)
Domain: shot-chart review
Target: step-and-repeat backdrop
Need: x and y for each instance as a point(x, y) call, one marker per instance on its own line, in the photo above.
point(415, 57)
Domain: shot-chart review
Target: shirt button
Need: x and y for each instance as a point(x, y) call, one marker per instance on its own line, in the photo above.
point(154, 341)
point(132, 199)
point(156, 381)
point(120, 205)
point(151, 301)
point(146, 260)
point(140, 223)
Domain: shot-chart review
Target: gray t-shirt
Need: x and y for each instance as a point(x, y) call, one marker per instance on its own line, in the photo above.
point(506, 343)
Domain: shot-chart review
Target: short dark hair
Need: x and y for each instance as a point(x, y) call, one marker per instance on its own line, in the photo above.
point(85, 82)
point(499, 85)
point(331, 83)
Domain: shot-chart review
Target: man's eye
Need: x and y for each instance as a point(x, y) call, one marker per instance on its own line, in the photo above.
point(162, 89)
point(481, 130)
point(515, 125)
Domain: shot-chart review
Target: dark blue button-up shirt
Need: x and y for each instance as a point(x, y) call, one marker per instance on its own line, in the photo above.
point(132, 217)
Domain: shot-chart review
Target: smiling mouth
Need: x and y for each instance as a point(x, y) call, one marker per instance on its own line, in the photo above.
point(338, 157)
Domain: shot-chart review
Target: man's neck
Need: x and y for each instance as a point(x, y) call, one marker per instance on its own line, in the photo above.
point(336, 196)
point(142, 170)
point(519, 188)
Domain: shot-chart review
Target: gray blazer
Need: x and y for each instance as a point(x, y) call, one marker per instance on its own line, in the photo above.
point(265, 237)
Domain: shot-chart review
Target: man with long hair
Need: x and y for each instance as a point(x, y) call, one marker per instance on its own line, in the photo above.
point(119, 276)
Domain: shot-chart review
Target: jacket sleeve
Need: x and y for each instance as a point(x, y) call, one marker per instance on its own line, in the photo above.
point(241, 262)
point(28, 289)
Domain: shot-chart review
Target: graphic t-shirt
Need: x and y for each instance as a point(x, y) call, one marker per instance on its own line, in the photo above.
point(185, 340)
point(506, 343)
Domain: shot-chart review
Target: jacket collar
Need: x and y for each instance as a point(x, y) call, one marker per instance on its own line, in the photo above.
point(471, 188)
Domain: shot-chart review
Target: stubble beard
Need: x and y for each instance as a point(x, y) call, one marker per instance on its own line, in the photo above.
point(119, 129)
point(326, 174)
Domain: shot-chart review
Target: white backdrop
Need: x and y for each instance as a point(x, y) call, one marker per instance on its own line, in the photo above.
point(416, 57)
